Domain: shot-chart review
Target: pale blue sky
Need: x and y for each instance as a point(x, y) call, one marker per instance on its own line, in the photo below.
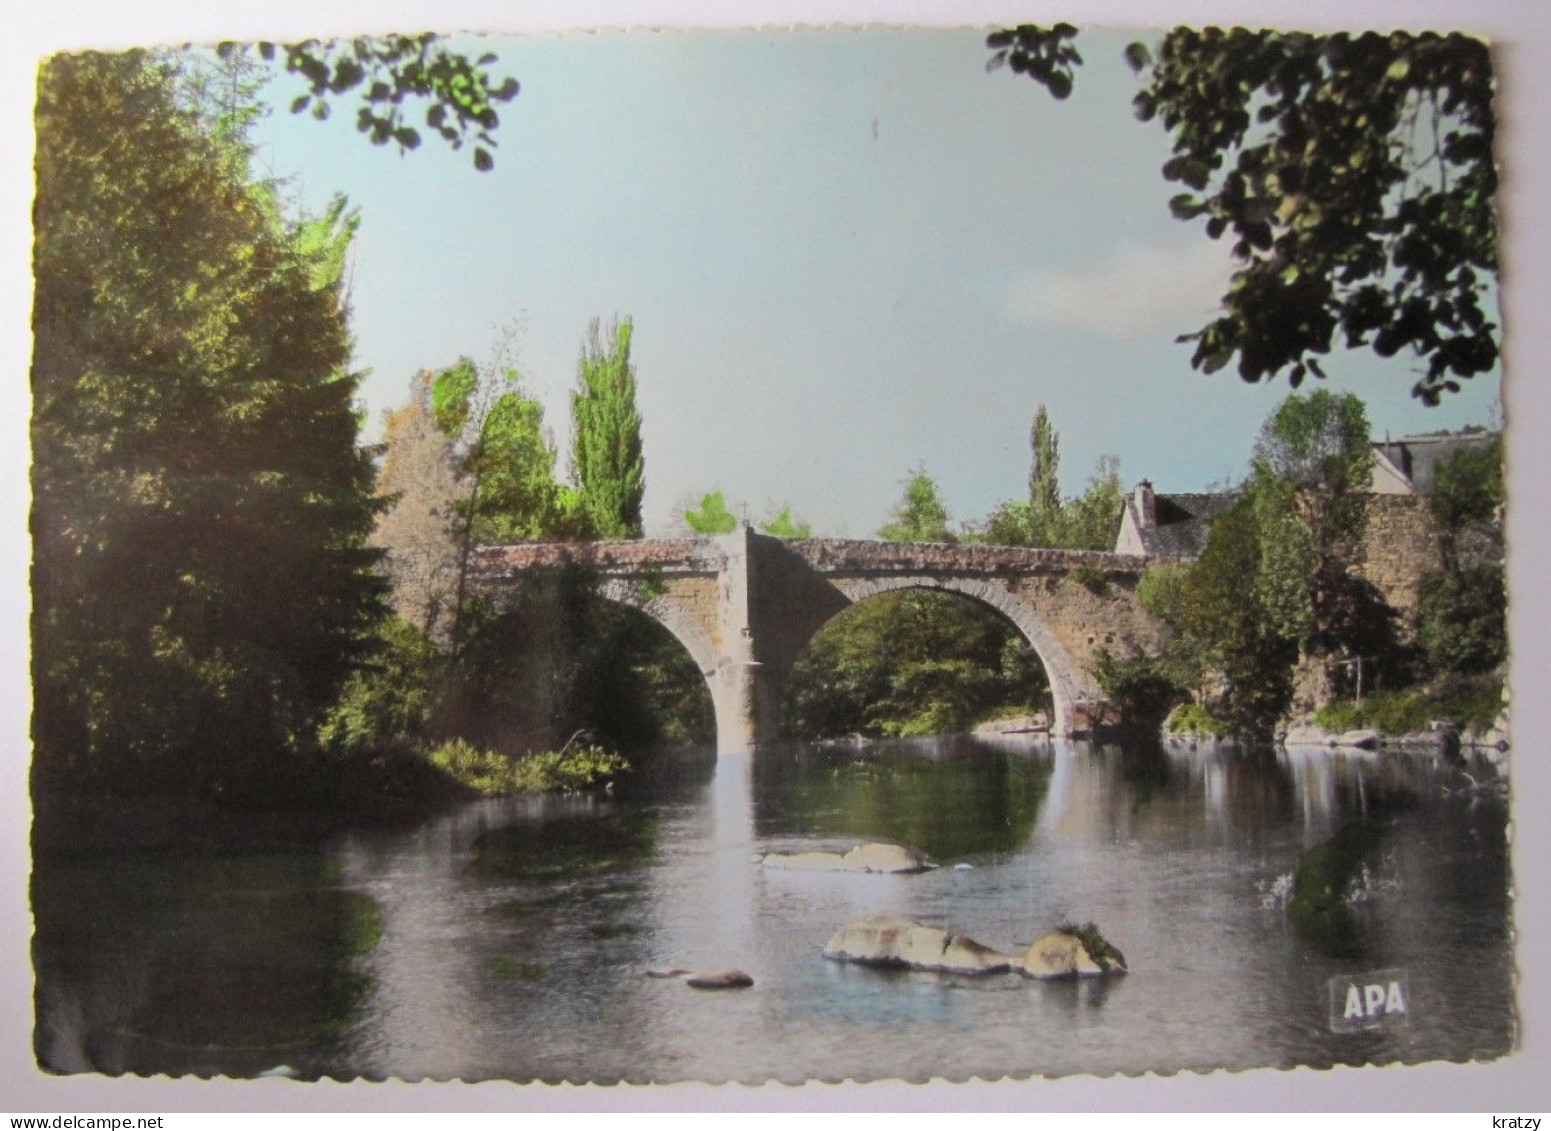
point(846, 253)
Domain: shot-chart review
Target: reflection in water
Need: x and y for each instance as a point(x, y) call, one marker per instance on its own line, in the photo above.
point(947, 798)
point(511, 939)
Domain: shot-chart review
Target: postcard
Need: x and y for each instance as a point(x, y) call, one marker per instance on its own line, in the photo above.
point(781, 553)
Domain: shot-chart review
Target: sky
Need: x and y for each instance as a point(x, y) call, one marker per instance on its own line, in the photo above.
point(847, 254)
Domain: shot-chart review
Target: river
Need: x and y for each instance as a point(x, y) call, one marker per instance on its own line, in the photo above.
point(510, 939)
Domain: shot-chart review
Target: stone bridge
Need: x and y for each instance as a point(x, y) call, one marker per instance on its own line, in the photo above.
point(745, 605)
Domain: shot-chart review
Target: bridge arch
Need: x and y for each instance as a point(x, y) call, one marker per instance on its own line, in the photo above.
point(666, 612)
point(1067, 684)
point(729, 703)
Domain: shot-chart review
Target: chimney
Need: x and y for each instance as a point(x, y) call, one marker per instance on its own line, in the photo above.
point(1146, 505)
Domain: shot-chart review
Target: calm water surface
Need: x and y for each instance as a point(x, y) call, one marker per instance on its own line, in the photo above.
point(510, 939)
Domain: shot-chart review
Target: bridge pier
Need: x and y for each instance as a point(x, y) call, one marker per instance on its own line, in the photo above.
point(744, 684)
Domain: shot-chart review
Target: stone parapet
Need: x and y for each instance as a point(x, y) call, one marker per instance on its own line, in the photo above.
point(641, 557)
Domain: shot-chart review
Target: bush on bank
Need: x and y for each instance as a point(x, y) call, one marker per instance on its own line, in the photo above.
point(495, 774)
point(1464, 702)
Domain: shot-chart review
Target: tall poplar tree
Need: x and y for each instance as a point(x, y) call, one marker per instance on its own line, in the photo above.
point(1044, 481)
point(606, 434)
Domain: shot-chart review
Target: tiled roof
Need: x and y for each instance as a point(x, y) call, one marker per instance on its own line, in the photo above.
point(1185, 521)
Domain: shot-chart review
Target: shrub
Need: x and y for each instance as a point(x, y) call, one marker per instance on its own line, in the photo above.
point(1196, 718)
point(1463, 702)
point(1091, 579)
point(1465, 620)
point(1138, 687)
point(495, 774)
point(387, 698)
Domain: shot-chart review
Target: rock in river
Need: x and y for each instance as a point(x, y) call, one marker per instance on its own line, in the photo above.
point(894, 940)
point(889, 858)
point(721, 980)
point(1072, 953)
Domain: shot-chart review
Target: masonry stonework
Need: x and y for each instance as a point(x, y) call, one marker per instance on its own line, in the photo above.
point(745, 605)
point(1400, 549)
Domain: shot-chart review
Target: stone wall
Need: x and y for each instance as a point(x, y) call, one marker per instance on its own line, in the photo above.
point(1400, 548)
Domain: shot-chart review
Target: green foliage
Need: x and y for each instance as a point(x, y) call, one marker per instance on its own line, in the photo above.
point(1465, 702)
point(512, 467)
point(495, 774)
point(1093, 580)
point(1091, 520)
point(554, 657)
point(1465, 620)
point(1468, 487)
point(201, 583)
point(907, 663)
point(1139, 688)
point(1197, 718)
point(389, 698)
point(606, 457)
point(389, 72)
point(325, 242)
point(784, 525)
point(1315, 458)
point(452, 393)
point(1389, 712)
point(1218, 630)
point(1044, 510)
point(920, 516)
point(713, 517)
point(1087, 522)
point(1354, 174)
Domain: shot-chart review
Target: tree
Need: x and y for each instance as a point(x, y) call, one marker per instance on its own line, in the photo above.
point(1312, 466)
point(1092, 519)
point(1354, 173)
point(391, 72)
point(1467, 504)
point(1044, 481)
point(504, 461)
point(417, 529)
point(784, 525)
point(1464, 621)
point(920, 516)
point(606, 459)
point(201, 581)
point(713, 517)
point(1316, 452)
point(912, 662)
point(1226, 645)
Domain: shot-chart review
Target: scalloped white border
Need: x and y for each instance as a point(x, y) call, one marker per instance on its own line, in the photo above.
point(1522, 34)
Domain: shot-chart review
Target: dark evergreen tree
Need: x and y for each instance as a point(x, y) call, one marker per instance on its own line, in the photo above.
point(201, 581)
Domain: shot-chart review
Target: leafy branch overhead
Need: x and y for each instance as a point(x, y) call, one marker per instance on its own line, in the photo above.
point(391, 73)
point(1354, 174)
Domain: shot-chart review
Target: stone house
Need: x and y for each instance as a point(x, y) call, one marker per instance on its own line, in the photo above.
point(1400, 547)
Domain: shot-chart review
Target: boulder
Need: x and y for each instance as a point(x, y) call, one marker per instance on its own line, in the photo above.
point(887, 858)
point(1361, 739)
point(720, 980)
point(1071, 953)
point(894, 940)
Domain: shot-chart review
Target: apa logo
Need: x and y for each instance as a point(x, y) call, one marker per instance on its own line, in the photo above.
point(1380, 999)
